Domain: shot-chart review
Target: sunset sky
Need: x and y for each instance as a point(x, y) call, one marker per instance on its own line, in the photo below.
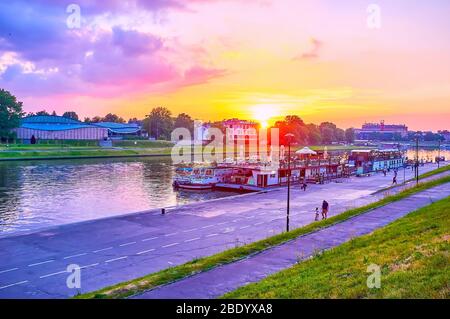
point(217, 59)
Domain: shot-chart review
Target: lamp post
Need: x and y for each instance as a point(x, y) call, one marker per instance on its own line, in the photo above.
point(417, 159)
point(439, 153)
point(288, 137)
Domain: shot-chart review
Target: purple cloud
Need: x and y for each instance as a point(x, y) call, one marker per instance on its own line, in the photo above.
point(86, 61)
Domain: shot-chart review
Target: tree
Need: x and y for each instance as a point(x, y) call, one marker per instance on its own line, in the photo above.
point(350, 135)
point(42, 113)
point(54, 113)
point(96, 119)
point(328, 132)
point(314, 136)
point(113, 118)
point(185, 121)
point(293, 124)
point(71, 115)
point(87, 120)
point(10, 114)
point(159, 123)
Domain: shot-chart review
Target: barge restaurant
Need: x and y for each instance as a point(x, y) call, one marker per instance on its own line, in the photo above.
point(252, 175)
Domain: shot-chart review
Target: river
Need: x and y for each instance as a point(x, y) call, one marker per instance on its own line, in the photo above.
point(36, 194)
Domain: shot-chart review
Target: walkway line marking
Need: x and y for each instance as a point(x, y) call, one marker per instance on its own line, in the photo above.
point(53, 274)
point(207, 226)
point(151, 238)
point(165, 246)
point(211, 235)
point(89, 266)
point(243, 227)
point(260, 223)
point(97, 251)
point(115, 259)
point(192, 239)
point(145, 251)
point(127, 244)
point(171, 234)
point(228, 231)
point(189, 230)
point(248, 217)
point(15, 284)
point(8, 270)
point(78, 255)
point(223, 223)
point(43, 262)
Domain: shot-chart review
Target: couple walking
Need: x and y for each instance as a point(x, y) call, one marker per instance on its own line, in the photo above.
point(325, 206)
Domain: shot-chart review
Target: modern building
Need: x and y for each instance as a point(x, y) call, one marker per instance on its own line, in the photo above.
point(381, 131)
point(44, 127)
point(120, 130)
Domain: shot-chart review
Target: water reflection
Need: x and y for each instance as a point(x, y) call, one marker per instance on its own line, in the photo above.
point(42, 193)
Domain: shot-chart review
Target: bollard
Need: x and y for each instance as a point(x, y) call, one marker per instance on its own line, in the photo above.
point(163, 211)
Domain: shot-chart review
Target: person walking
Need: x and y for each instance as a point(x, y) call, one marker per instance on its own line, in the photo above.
point(384, 172)
point(304, 185)
point(317, 214)
point(394, 180)
point(325, 206)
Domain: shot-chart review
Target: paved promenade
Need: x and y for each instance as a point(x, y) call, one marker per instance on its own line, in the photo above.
point(223, 279)
point(113, 250)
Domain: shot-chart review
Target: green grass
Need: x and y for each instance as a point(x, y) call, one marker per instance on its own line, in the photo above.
point(142, 144)
point(147, 282)
point(439, 170)
point(412, 253)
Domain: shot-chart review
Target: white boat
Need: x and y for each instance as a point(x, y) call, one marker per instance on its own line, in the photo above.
point(202, 178)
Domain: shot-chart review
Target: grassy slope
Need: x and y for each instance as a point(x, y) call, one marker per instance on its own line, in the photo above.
point(152, 280)
point(413, 254)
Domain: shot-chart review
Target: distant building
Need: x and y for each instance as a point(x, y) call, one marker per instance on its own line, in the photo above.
point(51, 127)
point(241, 130)
point(445, 134)
point(382, 131)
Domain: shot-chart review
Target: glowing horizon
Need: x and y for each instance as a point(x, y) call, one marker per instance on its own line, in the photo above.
point(260, 60)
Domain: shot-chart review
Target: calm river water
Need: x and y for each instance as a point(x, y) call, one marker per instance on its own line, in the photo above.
point(35, 194)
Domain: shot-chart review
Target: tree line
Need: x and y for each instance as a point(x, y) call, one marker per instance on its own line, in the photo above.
point(160, 123)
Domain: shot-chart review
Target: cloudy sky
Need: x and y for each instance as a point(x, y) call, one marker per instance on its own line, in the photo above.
point(215, 59)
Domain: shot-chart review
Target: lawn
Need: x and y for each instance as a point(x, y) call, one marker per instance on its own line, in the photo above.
point(412, 253)
point(152, 280)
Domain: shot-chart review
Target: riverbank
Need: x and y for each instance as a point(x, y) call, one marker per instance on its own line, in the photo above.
point(196, 266)
point(412, 254)
point(125, 148)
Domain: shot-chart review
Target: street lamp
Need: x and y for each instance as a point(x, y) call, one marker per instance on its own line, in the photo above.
point(439, 153)
point(417, 158)
point(288, 138)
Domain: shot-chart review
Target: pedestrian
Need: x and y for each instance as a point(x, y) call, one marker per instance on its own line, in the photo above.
point(324, 209)
point(317, 214)
point(304, 185)
point(394, 180)
point(384, 172)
